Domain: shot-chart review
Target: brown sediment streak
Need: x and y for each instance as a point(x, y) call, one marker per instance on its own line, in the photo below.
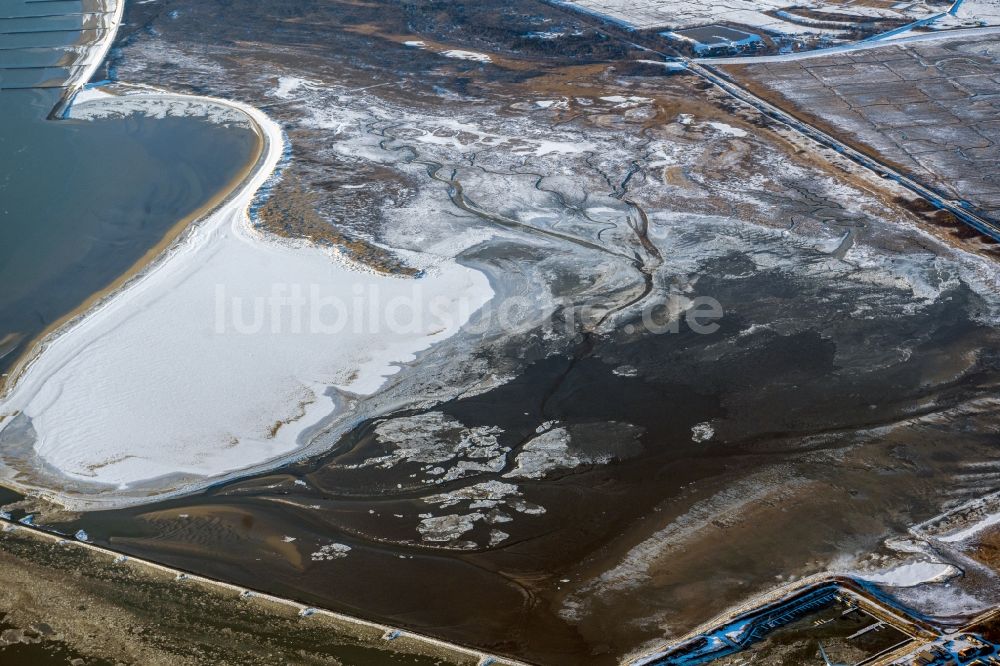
point(168, 240)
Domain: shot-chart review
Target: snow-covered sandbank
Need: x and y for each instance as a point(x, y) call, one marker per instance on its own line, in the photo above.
point(110, 22)
point(226, 353)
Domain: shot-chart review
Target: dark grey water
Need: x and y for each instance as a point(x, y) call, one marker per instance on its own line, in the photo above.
point(82, 201)
point(44, 42)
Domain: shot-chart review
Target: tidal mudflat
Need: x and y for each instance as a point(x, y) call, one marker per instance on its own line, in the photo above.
point(597, 485)
point(575, 469)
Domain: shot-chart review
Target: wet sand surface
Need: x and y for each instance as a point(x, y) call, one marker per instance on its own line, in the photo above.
point(842, 399)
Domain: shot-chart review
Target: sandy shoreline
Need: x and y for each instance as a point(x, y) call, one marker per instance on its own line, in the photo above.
point(100, 51)
point(246, 184)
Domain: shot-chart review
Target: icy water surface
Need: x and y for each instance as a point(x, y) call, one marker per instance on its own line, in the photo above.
point(82, 201)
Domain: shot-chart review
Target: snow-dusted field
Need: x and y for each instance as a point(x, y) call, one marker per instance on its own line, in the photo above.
point(785, 17)
point(973, 13)
point(667, 13)
point(227, 350)
point(903, 38)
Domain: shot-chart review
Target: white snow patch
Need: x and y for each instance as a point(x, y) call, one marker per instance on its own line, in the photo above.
point(486, 495)
point(448, 449)
point(99, 107)
point(702, 432)
point(466, 55)
point(288, 85)
point(728, 130)
point(497, 536)
point(331, 551)
point(630, 100)
point(91, 94)
point(545, 453)
point(447, 528)
point(912, 573)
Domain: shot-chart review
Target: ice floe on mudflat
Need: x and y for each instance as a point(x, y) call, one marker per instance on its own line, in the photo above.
point(94, 106)
point(446, 449)
point(330, 551)
point(289, 85)
point(702, 432)
point(489, 502)
point(547, 452)
point(448, 528)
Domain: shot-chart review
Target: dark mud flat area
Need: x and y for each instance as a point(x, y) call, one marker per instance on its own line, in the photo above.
point(612, 487)
point(785, 453)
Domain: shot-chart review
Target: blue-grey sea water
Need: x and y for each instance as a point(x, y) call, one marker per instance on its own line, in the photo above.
point(82, 200)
